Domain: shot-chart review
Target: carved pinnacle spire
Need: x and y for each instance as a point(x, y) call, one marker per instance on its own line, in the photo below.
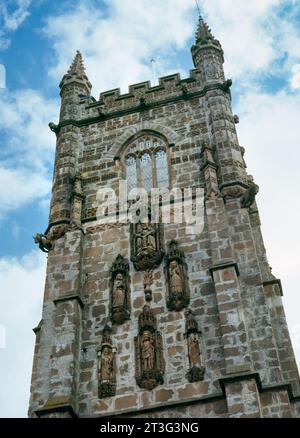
point(203, 33)
point(76, 73)
point(77, 65)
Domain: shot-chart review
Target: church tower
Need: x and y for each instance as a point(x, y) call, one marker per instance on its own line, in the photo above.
point(146, 318)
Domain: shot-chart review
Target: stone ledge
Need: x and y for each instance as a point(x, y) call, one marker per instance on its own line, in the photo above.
point(224, 266)
point(69, 297)
point(190, 401)
point(281, 386)
point(57, 404)
point(275, 281)
point(38, 327)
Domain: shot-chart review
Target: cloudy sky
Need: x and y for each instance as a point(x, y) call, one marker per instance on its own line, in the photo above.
point(118, 38)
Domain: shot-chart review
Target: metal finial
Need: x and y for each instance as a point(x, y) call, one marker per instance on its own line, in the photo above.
point(197, 4)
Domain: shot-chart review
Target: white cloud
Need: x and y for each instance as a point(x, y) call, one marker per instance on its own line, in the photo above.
point(256, 35)
point(12, 15)
point(21, 285)
point(270, 132)
point(118, 47)
point(19, 187)
point(27, 148)
point(295, 80)
point(24, 117)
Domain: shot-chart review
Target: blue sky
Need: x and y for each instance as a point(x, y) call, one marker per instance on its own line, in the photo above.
point(38, 40)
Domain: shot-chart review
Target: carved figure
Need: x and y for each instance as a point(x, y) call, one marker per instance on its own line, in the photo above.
point(149, 361)
point(146, 245)
point(107, 369)
point(175, 279)
point(119, 291)
point(248, 197)
point(147, 351)
point(194, 350)
point(44, 242)
point(196, 370)
point(178, 294)
point(53, 127)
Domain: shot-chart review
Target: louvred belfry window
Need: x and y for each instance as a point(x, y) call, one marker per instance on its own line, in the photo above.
point(146, 163)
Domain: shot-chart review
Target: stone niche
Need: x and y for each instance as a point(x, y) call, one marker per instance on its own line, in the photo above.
point(196, 369)
point(106, 366)
point(119, 291)
point(178, 296)
point(149, 361)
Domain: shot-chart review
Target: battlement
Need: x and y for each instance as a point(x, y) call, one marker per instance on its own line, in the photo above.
point(143, 94)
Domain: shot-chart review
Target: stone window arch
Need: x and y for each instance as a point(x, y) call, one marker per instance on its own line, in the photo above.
point(146, 162)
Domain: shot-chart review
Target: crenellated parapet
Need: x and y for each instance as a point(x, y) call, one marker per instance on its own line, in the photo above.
point(142, 95)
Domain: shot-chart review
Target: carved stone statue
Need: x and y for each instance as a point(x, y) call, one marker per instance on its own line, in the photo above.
point(107, 367)
point(147, 351)
point(194, 350)
point(106, 364)
point(119, 291)
point(178, 294)
point(146, 245)
point(149, 361)
point(248, 197)
point(176, 283)
point(190, 322)
point(196, 369)
point(44, 242)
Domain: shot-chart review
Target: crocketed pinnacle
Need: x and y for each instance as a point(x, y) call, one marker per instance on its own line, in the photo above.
point(77, 65)
point(77, 73)
point(203, 34)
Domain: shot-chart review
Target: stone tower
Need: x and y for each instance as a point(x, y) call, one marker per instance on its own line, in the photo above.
point(145, 319)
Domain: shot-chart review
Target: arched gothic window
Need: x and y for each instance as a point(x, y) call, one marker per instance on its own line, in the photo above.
point(146, 163)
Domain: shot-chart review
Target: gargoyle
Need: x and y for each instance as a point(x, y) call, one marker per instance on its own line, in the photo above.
point(248, 197)
point(227, 85)
point(53, 127)
point(44, 242)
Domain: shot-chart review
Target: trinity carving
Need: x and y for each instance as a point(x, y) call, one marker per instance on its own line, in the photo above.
point(196, 368)
point(119, 291)
point(176, 272)
point(149, 361)
point(107, 366)
point(146, 245)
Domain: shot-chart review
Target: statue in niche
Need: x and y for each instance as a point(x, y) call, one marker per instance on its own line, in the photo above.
point(149, 361)
point(106, 364)
point(119, 291)
point(107, 367)
point(194, 350)
point(147, 351)
point(178, 293)
point(196, 369)
point(146, 245)
point(176, 283)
